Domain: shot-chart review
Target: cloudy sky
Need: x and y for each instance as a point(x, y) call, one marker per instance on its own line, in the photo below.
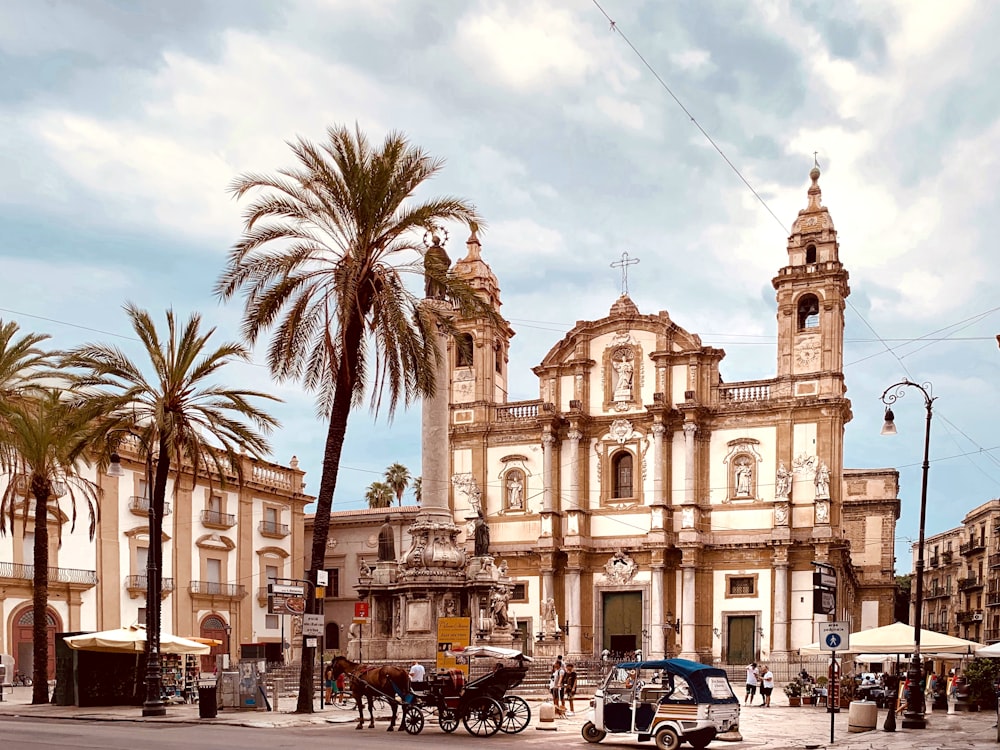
point(124, 122)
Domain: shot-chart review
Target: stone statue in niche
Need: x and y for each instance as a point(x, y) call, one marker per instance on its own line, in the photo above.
point(743, 476)
point(624, 369)
point(500, 598)
point(515, 491)
point(822, 482)
point(550, 620)
point(823, 512)
point(782, 482)
point(781, 514)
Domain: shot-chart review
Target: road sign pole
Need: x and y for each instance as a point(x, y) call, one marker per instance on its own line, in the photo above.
point(834, 697)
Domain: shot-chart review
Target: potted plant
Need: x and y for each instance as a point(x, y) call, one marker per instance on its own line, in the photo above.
point(808, 694)
point(793, 689)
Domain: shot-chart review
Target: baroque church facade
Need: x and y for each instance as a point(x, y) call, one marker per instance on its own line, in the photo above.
point(648, 505)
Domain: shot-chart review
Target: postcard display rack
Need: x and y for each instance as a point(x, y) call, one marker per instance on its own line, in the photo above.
point(180, 675)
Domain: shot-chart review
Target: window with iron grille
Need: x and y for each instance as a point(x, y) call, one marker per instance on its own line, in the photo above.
point(741, 586)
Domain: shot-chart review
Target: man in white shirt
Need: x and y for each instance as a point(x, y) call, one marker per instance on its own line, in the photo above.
point(752, 682)
point(766, 685)
point(417, 672)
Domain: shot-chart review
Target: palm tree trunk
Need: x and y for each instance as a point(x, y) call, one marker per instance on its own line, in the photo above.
point(40, 596)
point(335, 434)
point(154, 577)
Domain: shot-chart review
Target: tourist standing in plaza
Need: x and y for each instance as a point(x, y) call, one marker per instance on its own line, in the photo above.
point(766, 685)
point(569, 688)
point(753, 679)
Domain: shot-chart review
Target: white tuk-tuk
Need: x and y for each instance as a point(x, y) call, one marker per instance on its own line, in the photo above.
point(672, 701)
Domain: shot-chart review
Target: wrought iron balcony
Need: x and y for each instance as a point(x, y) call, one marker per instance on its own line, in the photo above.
point(211, 588)
point(941, 627)
point(946, 557)
point(971, 582)
point(140, 584)
point(970, 616)
point(972, 547)
point(140, 506)
point(215, 519)
point(995, 560)
point(19, 572)
point(993, 599)
point(272, 529)
point(934, 561)
point(936, 591)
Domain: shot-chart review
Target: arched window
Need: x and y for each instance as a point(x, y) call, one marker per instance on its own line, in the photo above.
point(463, 350)
point(621, 472)
point(811, 254)
point(808, 316)
point(332, 640)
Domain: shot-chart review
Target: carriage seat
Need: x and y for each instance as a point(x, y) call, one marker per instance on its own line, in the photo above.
point(452, 681)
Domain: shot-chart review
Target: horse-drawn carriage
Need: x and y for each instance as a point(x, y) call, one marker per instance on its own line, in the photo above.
point(482, 704)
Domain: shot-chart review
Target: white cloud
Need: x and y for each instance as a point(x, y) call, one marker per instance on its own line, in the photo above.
point(692, 60)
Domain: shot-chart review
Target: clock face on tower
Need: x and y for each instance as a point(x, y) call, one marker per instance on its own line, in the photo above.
point(807, 354)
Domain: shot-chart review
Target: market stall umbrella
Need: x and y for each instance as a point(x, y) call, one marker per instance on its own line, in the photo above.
point(133, 640)
point(898, 639)
point(990, 652)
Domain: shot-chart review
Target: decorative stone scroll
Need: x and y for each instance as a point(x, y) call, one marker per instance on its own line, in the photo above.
point(620, 569)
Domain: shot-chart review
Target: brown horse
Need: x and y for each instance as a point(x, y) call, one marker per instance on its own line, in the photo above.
point(391, 683)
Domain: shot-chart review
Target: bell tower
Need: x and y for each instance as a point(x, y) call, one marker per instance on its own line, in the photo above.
point(811, 293)
point(479, 351)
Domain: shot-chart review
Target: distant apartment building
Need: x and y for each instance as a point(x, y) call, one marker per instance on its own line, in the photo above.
point(222, 541)
point(962, 577)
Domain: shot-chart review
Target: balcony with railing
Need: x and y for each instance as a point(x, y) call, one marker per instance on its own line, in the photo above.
point(940, 627)
point(994, 560)
point(946, 557)
point(745, 392)
point(218, 590)
point(140, 506)
point(972, 547)
point(993, 599)
point(969, 583)
point(934, 561)
point(934, 592)
point(213, 519)
point(518, 410)
point(970, 616)
point(138, 585)
point(992, 635)
point(273, 529)
point(18, 572)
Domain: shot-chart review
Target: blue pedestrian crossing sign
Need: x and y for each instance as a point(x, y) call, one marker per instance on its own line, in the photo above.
point(833, 636)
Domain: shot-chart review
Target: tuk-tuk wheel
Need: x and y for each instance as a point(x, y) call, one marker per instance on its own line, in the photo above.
point(668, 739)
point(591, 733)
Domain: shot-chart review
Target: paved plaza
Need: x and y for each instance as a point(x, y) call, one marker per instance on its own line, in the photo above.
point(779, 727)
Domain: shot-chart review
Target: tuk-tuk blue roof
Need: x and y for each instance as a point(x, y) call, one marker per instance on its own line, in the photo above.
point(683, 667)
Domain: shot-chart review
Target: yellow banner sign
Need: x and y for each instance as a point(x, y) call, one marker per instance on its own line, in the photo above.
point(453, 633)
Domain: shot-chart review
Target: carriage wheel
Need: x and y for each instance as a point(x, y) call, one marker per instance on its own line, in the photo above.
point(413, 720)
point(516, 714)
point(448, 719)
point(591, 733)
point(668, 739)
point(483, 717)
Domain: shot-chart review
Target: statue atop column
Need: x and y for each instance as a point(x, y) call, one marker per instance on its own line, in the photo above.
point(482, 537)
point(436, 265)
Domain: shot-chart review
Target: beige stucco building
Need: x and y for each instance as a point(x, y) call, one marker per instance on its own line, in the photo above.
point(220, 546)
point(658, 506)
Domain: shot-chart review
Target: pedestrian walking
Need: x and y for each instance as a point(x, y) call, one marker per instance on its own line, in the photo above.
point(753, 680)
point(556, 686)
point(766, 685)
point(329, 683)
point(569, 687)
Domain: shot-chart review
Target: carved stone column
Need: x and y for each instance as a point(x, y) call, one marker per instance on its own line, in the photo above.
point(690, 428)
point(548, 464)
point(779, 631)
point(688, 602)
point(573, 459)
point(573, 614)
point(656, 639)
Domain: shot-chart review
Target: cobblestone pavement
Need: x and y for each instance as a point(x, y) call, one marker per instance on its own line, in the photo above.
point(779, 727)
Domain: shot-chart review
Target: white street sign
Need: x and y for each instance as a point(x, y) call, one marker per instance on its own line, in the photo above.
point(833, 636)
point(312, 624)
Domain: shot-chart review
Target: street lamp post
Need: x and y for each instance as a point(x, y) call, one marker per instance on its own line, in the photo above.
point(153, 705)
point(913, 716)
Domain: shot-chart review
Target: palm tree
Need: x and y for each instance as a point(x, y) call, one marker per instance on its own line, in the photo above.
point(22, 363)
point(418, 489)
point(379, 495)
point(178, 417)
point(398, 478)
point(44, 439)
point(321, 264)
